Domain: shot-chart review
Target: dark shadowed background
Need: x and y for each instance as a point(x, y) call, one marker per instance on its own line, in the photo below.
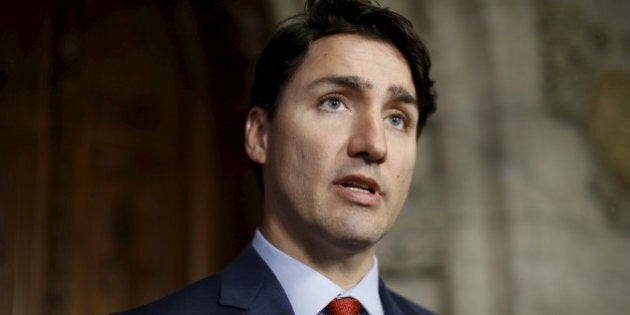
point(122, 170)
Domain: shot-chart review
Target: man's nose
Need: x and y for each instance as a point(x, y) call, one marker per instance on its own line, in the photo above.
point(368, 140)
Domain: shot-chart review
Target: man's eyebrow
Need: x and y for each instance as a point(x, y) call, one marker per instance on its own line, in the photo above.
point(397, 93)
point(352, 81)
point(400, 94)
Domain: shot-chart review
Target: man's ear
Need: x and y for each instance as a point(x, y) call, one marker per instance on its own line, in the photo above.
point(256, 129)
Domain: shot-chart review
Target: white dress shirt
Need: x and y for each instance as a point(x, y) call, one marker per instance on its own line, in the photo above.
point(309, 291)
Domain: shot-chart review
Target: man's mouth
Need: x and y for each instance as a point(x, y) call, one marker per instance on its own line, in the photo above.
point(358, 186)
point(359, 183)
point(359, 189)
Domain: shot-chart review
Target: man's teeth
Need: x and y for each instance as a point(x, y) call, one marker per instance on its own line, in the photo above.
point(358, 187)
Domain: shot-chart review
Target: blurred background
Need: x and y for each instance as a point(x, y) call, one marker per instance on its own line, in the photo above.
point(123, 178)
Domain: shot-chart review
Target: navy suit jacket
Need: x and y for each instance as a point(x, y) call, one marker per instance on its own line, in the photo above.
point(248, 286)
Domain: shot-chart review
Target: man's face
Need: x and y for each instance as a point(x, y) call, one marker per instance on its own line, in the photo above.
point(339, 155)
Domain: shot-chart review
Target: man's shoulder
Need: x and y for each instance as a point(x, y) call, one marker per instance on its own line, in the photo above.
point(196, 298)
point(245, 283)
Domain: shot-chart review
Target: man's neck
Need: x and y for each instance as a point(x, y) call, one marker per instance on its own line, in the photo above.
point(345, 266)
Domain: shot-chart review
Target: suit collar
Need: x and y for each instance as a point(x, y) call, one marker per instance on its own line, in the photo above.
point(389, 306)
point(248, 283)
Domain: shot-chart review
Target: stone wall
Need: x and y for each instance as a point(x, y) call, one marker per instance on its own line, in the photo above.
point(519, 204)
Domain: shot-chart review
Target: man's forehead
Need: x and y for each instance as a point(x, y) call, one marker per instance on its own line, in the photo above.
point(356, 60)
point(353, 44)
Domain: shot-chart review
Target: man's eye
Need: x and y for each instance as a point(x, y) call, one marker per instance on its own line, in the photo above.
point(397, 120)
point(332, 104)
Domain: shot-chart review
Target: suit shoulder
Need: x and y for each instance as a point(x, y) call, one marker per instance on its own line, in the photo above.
point(407, 306)
point(196, 298)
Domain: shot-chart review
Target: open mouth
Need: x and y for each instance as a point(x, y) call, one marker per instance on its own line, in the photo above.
point(360, 190)
point(359, 183)
point(357, 186)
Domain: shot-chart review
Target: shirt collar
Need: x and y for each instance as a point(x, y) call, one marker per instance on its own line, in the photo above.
point(309, 291)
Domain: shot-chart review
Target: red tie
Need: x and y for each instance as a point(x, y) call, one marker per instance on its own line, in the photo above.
point(344, 306)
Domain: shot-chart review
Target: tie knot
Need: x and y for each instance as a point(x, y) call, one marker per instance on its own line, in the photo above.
point(344, 306)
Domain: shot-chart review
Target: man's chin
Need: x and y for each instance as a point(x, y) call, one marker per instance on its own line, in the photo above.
point(355, 242)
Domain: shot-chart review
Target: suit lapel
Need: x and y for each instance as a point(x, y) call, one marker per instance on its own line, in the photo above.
point(249, 284)
point(389, 306)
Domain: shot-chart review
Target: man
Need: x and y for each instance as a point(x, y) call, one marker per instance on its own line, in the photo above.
point(338, 101)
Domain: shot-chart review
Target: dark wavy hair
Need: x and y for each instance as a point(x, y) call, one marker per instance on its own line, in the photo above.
point(287, 48)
